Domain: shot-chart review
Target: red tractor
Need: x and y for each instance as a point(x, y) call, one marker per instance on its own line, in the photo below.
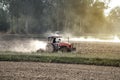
point(55, 44)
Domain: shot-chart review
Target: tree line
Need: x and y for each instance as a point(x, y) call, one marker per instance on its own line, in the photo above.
point(39, 16)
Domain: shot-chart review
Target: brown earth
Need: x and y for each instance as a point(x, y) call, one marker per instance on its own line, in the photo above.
point(24, 43)
point(51, 71)
point(97, 47)
point(28, 45)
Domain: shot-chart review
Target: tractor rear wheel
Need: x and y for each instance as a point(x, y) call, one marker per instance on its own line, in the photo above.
point(50, 48)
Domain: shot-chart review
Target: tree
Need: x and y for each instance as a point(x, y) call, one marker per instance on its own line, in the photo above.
point(39, 16)
point(4, 24)
point(114, 19)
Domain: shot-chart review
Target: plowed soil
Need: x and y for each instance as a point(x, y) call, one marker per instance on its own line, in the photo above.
point(52, 71)
point(98, 47)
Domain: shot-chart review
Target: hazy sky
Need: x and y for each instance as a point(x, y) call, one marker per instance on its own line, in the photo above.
point(112, 4)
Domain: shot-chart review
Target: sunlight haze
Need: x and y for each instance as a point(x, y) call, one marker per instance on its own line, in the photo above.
point(112, 5)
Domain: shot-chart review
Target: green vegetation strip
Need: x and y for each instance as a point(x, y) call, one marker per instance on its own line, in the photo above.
point(59, 59)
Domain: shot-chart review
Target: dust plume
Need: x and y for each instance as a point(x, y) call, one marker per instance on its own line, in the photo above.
point(27, 45)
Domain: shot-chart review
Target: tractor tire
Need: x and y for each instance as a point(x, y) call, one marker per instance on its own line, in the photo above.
point(50, 48)
point(63, 49)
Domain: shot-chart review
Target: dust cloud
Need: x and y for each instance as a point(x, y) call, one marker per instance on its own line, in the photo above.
point(27, 45)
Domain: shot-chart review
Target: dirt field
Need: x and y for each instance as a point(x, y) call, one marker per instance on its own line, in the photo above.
point(24, 43)
point(51, 71)
point(31, 45)
point(98, 47)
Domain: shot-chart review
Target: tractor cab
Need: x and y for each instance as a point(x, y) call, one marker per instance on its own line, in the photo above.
point(54, 39)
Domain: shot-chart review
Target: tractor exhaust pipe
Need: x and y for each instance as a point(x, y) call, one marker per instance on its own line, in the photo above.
point(68, 40)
